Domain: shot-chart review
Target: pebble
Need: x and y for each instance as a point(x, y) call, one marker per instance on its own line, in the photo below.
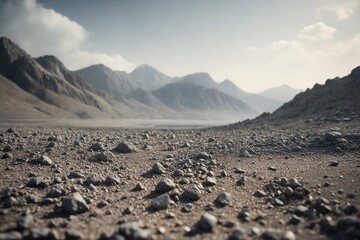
point(210, 181)
point(259, 194)
point(158, 168)
point(207, 222)
point(42, 160)
point(223, 199)
point(161, 202)
point(74, 203)
point(192, 193)
point(13, 235)
point(125, 147)
point(132, 231)
point(165, 185)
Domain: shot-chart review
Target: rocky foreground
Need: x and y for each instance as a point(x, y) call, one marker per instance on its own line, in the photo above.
point(224, 183)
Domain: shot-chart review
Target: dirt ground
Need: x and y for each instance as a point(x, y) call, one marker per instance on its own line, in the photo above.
point(324, 160)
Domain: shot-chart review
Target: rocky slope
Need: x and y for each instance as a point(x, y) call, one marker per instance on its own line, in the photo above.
point(336, 100)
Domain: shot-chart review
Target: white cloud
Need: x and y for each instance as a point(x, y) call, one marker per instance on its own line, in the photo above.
point(301, 63)
point(343, 9)
point(42, 31)
point(317, 32)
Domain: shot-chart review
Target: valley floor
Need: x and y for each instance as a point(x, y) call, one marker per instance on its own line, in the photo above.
point(282, 183)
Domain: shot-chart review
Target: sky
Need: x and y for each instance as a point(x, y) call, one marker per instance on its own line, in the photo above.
point(256, 44)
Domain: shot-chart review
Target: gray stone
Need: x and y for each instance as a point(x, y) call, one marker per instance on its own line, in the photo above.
point(125, 147)
point(71, 234)
point(132, 231)
point(112, 180)
point(202, 155)
point(103, 157)
point(94, 179)
point(161, 202)
point(207, 222)
point(158, 168)
point(259, 193)
point(165, 185)
point(25, 222)
point(334, 163)
point(11, 236)
point(238, 234)
point(56, 191)
point(97, 147)
point(36, 182)
point(244, 153)
point(41, 233)
point(42, 160)
point(192, 193)
point(74, 204)
point(223, 199)
point(210, 181)
point(188, 207)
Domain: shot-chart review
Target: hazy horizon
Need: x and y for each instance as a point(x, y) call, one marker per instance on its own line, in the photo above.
point(256, 45)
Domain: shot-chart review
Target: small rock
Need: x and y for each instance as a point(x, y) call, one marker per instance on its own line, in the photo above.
point(25, 222)
point(295, 220)
point(13, 235)
point(36, 182)
point(42, 160)
point(112, 180)
point(223, 199)
point(132, 231)
point(74, 204)
point(71, 234)
point(238, 234)
point(202, 155)
point(105, 156)
point(288, 191)
point(97, 147)
point(244, 153)
point(259, 194)
point(161, 202)
point(334, 164)
point(188, 207)
point(192, 193)
point(125, 147)
point(158, 168)
point(210, 181)
point(165, 185)
point(139, 187)
point(207, 222)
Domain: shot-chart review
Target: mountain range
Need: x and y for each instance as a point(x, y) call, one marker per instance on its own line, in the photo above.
point(44, 88)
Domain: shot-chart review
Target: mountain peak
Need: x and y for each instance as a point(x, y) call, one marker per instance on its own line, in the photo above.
point(143, 69)
point(9, 52)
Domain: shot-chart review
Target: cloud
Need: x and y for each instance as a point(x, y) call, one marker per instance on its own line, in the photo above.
point(317, 32)
point(42, 31)
point(343, 9)
point(299, 62)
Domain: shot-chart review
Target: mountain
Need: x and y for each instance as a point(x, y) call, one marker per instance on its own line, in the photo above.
point(19, 104)
point(147, 78)
point(104, 79)
point(188, 96)
point(48, 80)
point(258, 102)
point(337, 98)
point(283, 93)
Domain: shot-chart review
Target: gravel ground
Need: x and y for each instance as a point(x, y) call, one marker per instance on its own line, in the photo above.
point(258, 182)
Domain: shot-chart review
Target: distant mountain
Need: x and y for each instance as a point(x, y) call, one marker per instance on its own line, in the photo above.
point(283, 93)
point(336, 99)
point(258, 102)
point(188, 96)
point(147, 78)
point(48, 80)
point(104, 79)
